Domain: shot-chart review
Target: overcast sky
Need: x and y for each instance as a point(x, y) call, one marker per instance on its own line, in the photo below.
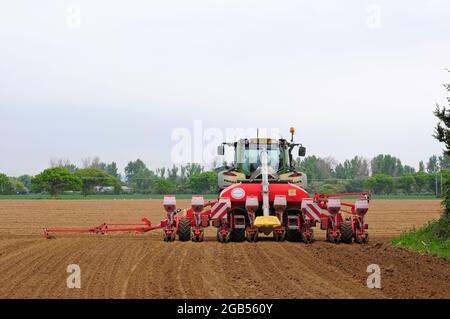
point(114, 79)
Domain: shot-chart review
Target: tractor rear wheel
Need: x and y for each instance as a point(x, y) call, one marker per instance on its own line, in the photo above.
point(346, 232)
point(238, 235)
point(184, 230)
point(293, 235)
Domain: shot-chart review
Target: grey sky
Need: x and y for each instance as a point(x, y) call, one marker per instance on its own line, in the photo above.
point(350, 81)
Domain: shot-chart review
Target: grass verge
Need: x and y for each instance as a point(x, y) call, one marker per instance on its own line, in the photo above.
point(432, 239)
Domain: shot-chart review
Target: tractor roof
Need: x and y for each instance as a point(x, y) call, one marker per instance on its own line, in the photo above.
point(261, 140)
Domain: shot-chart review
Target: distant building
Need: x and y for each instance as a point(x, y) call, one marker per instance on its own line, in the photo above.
point(103, 189)
point(110, 189)
point(126, 189)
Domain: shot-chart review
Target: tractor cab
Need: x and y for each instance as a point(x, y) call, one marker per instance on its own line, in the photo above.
point(248, 156)
point(247, 161)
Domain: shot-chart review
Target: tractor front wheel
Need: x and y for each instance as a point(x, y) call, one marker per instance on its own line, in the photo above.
point(293, 235)
point(238, 235)
point(184, 230)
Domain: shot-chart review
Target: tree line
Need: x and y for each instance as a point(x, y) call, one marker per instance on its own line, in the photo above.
point(95, 176)
point(384, 174)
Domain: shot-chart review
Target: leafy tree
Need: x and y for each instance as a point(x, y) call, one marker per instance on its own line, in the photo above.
point(445, 174)
point(442, 130)
point(380, 184)
point(112, 169)
point(354, 185)
point(386, 164)
point(343, 170)
point(421, 167)
point(173, 173)
point(6, 185)
point(64, 163)
point(328, 189)
point(18, 187)
point(424, 182)
point(86, 162)
point(408, 169)
point(407, 183)
point(94, 162)
point(355, 168)
point(139, 177)
point(55, 180)
point(316, 168)
point(192, 169)
point(444, 161)
point(71, 168)
point(91, 177)
point(11, 185)
point(135, 168)
point(432, 165)
point(183, 172)
point(205, 182)
point(161, 172)
point(162, 186)
point(442, 134)
point(26, 181)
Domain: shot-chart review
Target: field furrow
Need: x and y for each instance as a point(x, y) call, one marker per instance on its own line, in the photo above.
point(128, 265)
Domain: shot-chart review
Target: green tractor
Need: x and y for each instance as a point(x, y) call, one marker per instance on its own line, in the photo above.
point(247, 162)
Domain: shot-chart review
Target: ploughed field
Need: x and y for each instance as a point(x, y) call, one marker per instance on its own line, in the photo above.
point(129, 265)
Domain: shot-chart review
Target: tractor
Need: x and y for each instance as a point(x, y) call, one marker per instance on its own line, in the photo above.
point(261, 193)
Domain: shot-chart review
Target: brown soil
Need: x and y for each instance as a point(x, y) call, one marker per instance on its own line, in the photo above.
point(143, 266)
